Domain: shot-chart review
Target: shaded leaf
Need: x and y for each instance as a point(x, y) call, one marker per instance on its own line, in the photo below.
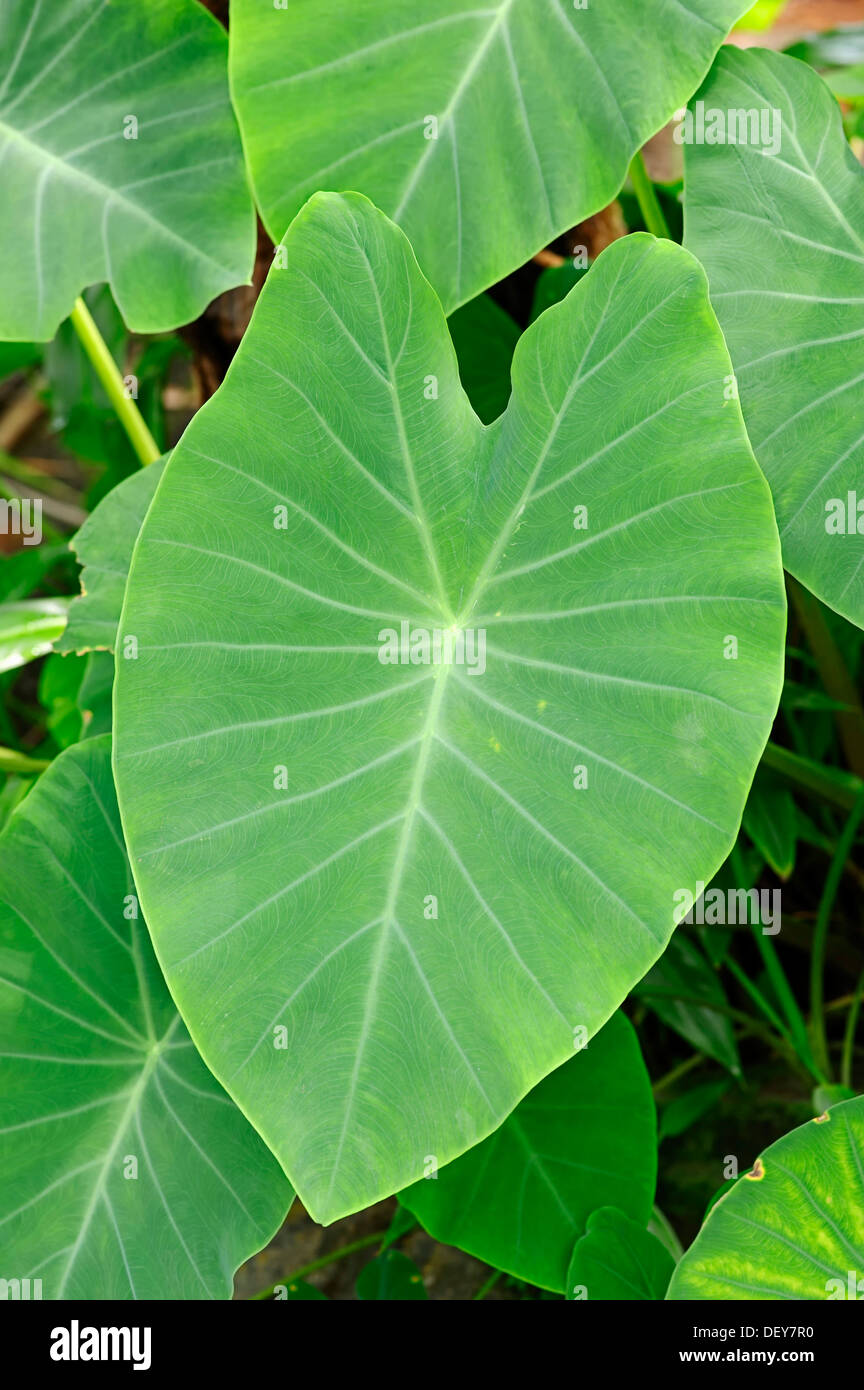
point(485, 339)
point(76, 693)
point(586, 1136)
point(392, 1276)
point(770, 819)
point(617, 1259)
point(553, 284)
point(684, 970)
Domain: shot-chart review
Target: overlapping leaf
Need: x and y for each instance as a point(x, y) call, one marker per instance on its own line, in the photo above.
point(127, 1171)
point(781, 237)
point(388, 894)
point(120, 161)
point(585, 1137)
point(793, 1227)
point(104, 547)
point(485, 131)
point(617, 1259)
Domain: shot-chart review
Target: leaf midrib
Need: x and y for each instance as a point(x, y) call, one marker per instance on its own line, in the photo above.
point(413, 806)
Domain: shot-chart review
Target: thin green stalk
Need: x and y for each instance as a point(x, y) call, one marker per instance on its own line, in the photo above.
point(777, 975)
point(649, 203)
point(759, 1000)
point(320, 1263)
point(820, 934)
point(489, 1284)
point(13, 761)
point(849, 1036)
point(783, 990)
point(108, 372)
point(682, 1069)
point(840, 788)
point(833, 674)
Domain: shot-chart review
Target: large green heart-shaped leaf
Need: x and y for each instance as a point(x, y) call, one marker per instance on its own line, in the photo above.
point(385, 899)
point(120, 161)
point(585, 1137)
point(781, 238)
point(127, 1171)
point(400, 106)
point(793, 1228)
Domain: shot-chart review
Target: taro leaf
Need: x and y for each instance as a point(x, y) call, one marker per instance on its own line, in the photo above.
point(618, 1260)
point(380, 901)
point(771, 821)
point(781, 238)
point(585, 1137)
point(674, 988)
point(391, 1276)
point(104, 547)
point(484, 132)
point(29, 629)
point(127, 1172)
point(485, 339)
point(793, 1227)
point(159, 208)
point(76, 694)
